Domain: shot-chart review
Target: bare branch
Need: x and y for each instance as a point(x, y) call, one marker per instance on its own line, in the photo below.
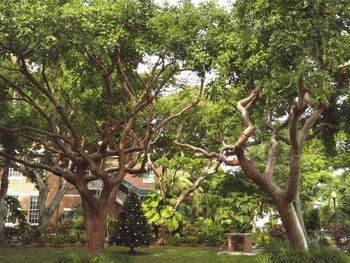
point(184, 110)
point(272, 157)
point(308, 124)
point(243, 106)
point(196, 184)
point(66, 174)
point(51, 97)
point(321, 128)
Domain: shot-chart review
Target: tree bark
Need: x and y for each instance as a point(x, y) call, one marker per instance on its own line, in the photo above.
point(43, 192)
point(95, 226)
point(3, 193)
point(292, 226)
point(47, 213)
point(300, 214)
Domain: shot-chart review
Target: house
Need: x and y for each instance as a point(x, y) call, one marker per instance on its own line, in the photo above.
point(24, 190)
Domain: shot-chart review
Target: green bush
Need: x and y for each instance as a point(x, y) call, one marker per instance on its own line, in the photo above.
point(281, 252)
point(83, 238)
point(192, 240)
point(260, 239)
point(211, 233)
point(323, 242)
point(78, 223)
point(323, 254)
point(58, 240)
point(29, 234)
point(72, 238)
point(175, 240)
point(12, 233)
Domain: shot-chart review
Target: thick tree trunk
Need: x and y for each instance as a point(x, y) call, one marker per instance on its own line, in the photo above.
point(3, 193)
point(95, 226)
point(292, 226)
point(300, 215)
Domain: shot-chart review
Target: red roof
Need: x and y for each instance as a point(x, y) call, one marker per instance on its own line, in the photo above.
point(137, 181)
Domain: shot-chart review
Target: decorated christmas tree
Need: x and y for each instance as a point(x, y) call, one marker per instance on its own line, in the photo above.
point(132, 229)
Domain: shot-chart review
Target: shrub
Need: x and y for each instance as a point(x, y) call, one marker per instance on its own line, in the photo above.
point(64, 227)
point(12, 235)
point(260, 238)
point(83, 238)
point(211, 233)
point(281, 252)
point(192, 240)
point(58, 240)
point(29, 234)
point(323, 242)
point(78, 223)
point(41, 241)
point(72, 238)
point(112, 230)
point(175, 240)
point(26, 238)
point(190, 230)
point(323, 254)
point(341, 235)
point(277, 232)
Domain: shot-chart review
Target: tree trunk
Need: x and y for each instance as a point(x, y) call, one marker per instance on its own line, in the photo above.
point(292, 226)
point(3, 193)
point(300, 215)
point(95, 226)
point(46, 215)
point(43, 192)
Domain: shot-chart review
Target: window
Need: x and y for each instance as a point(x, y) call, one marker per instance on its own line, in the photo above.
point(95, 185)
point(13, 173)
point(33, 215)
point(120, 197)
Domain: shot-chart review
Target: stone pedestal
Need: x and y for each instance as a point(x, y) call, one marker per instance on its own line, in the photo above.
point(239, 242)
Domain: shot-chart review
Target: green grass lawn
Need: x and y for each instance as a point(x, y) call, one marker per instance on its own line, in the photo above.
point(119, 254)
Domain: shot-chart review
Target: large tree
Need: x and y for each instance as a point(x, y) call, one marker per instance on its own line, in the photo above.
point(282, 58)
point(79, 66)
